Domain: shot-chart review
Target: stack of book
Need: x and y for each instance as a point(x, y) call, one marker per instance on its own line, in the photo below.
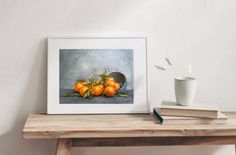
point(171, 113)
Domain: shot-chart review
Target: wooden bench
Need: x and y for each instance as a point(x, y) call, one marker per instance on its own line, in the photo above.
point(123, 130)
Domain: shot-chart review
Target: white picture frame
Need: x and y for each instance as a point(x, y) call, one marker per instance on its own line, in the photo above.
point(57, 46)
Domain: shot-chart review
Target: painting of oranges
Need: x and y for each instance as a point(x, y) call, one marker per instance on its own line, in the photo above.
point(96, 76)
point(106, 86)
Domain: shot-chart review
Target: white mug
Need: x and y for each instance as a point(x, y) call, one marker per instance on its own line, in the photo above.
point(185, 89)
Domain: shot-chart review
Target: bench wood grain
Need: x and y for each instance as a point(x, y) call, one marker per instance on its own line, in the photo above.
point(124, 130)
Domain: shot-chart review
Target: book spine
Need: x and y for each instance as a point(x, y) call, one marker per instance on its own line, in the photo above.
point(158, 116)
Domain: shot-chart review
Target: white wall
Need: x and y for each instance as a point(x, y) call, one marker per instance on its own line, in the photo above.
point(197, 32)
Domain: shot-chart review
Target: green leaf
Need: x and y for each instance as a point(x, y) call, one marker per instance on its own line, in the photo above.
point(75, 95)
point(81, 80)
point(71, 95)
point(122, 95)
point(106, 71)
point(66, 95)
point(87, 93)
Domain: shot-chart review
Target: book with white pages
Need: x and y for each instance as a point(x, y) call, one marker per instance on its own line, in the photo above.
point(180, 120)
point(194, 110)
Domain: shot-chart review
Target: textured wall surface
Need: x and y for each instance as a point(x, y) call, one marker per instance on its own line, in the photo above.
point(197, 32)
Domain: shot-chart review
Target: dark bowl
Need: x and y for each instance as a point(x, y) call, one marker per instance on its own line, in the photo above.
point(121, 79)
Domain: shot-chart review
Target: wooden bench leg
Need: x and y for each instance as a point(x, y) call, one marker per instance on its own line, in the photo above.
point(64, 147)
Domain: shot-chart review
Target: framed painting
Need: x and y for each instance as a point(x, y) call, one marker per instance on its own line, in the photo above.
point(97, 76)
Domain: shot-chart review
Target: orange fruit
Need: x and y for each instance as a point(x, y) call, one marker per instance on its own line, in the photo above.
point(77, 86)
point(110, 83)
point(117, 86)
point(109, 91)
point(110, 79)
point(82, 90)
point(97, 90)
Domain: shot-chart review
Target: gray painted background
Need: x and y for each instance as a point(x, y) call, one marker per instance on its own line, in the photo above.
point(78, 64)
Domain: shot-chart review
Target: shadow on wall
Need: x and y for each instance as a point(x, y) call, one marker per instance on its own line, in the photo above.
point(33, 101)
